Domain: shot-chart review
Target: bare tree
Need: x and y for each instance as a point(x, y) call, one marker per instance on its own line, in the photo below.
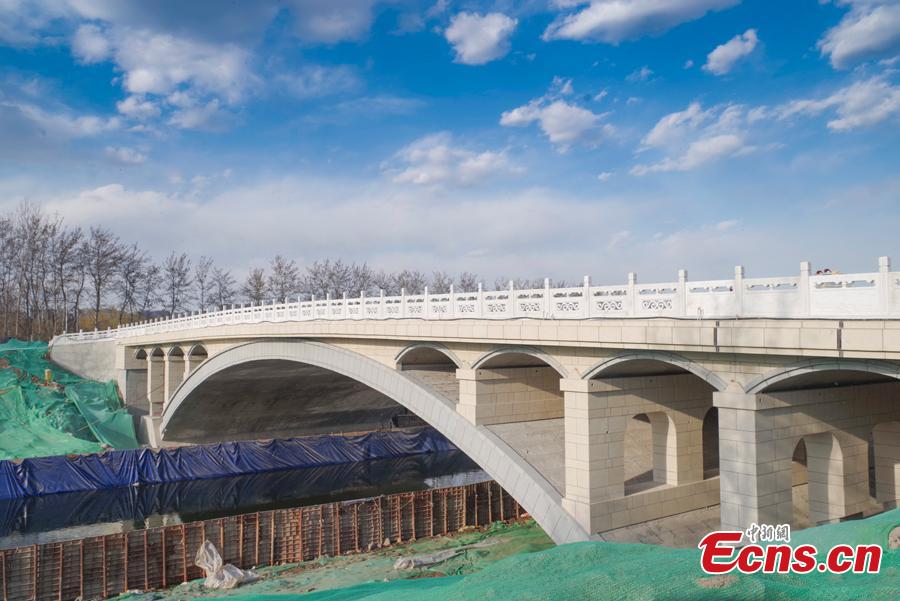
point(102, 254)
point(467, 282)
point(383, 280)
point(130, 272)
point(176, 275)
point(284, 279)
point(362, 279)
point(203, 273)
point(222, 287)
point(413, 282)
point(254, 288)
point(328, 277)
point(149, 290)
point(440, 282)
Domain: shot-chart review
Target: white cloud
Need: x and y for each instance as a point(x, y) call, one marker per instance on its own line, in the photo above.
point(860, 104)
point(688, 64)
point(604, 176)
point(870, 29)
point(642, 74)
point(207, 116)
point(63, 123)
point(123, 154)
point(612, 21)
point(562, 122)
point(437, 160)
point(479, 39)
point(673, 127)
point(699, 153)
point(694, 137)
point(160, 63)
point(312, 81)
point(139, 108)
point(724, 57)
point(332, 21)
point(90, 45)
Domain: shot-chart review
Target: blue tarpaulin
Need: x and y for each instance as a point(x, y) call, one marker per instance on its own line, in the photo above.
point(113, 469)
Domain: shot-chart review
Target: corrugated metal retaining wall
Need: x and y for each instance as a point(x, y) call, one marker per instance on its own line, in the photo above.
point(104, 566)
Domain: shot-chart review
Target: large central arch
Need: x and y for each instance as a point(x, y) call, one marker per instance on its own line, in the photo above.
point(521, 480)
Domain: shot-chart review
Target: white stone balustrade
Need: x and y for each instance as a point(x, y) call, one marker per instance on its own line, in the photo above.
point(806, 296)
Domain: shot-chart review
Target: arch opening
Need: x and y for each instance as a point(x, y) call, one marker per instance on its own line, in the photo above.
point(274, 398)
point(711, 443)
point(176, 352)
point(432, 365)
point(522, 481)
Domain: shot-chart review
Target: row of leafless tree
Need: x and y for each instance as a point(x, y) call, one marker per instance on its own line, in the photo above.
point(56, 278)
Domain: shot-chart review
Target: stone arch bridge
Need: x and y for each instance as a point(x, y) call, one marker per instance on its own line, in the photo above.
point(735, 409)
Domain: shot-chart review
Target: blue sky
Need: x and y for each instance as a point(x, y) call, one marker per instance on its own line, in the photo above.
point(533, 138)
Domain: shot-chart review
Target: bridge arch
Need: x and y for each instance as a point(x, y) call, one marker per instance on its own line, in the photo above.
point(481, 362)
point(818, 368)
point(671, 359)
point(520, 479)
point(427, 348)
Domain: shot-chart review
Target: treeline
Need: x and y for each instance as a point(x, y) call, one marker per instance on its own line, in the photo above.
point(56, 278)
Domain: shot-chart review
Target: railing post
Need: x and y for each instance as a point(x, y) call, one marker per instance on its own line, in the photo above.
point(586, 297)
point(346, 307)
point(452, 309)
point(884, 286)
point(631, 303)
point(381, 306)
point(548, 301)
point(804, 289)
point(682, 293)
point(427, 305)
point(739, 291)
point(480, 303)
point(327, 305)
point(510, 300)
point(362, 305)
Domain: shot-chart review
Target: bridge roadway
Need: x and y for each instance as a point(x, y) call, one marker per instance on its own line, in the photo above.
point(591, 422)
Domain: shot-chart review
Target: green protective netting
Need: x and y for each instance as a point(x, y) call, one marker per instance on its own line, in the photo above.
point(64, 415)
point(594, 571)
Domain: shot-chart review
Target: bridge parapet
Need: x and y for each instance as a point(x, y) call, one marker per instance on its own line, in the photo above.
point(874, 295)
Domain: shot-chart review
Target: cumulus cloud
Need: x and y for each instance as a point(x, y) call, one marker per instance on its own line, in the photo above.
point(724, 57)
point(479, 39)
point(332, 21)
point(123, 154)
point(869, 30)
point(437, 160)
point(138, 108)
point(695, 137)
point(612, 21)
point(62, 122)
point(90, 45)
point(642, 74)
point(563, 122)
point(861, 104)
point(313, 81)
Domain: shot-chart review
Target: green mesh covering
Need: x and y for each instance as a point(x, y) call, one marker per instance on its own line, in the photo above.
point(577, 572)
point(64, 415)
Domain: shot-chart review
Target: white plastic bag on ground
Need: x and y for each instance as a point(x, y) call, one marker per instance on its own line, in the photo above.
point(218, 575)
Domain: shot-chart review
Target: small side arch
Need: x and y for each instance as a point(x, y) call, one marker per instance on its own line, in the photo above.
point(701, 372)
point(140, 354)
point(432, 346)
point(175, 351)
point(197, 350)
point(521, 350)
point(767, 380)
